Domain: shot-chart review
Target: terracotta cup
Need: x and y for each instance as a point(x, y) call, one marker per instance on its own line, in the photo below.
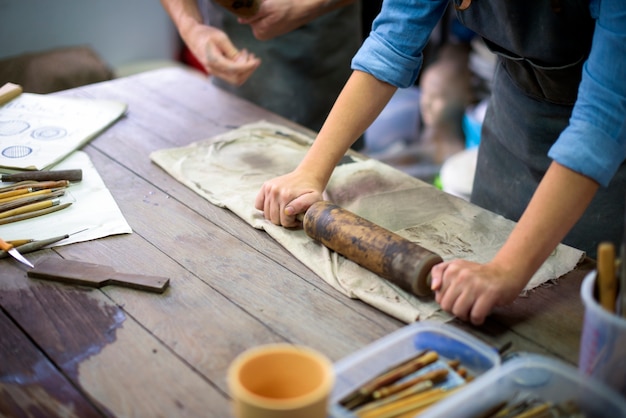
point(280, 381)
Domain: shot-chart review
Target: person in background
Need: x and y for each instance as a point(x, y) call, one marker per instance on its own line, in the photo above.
point(553, 141)
point(291, 57)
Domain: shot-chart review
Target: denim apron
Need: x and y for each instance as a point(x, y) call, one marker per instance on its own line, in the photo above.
point(541, 47)
point(302, 72)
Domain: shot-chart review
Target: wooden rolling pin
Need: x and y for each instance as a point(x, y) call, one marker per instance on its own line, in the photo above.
point(373, 247)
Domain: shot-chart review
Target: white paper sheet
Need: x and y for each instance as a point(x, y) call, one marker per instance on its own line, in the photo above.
point(37, 131)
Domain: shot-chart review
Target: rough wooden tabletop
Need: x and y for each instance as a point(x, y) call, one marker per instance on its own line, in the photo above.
point(68, 350)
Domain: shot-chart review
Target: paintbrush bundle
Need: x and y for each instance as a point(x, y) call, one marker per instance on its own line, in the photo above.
point(409, 371)
point(529, 385)
point(408, 388)
point(29, 200)
point(533, 407)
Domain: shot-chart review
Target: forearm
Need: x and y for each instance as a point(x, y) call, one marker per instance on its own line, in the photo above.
point(360, 102)
point(558, 203)
point(321, 7)
point(184, 13)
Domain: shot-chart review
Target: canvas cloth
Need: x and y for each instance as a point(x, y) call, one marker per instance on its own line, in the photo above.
point(228, 170)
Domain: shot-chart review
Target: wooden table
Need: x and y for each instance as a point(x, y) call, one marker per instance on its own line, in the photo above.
point(73, 351)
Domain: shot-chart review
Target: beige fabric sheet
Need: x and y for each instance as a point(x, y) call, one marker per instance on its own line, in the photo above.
point(229, 170)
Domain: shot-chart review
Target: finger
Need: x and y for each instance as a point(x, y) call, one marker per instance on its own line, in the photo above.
point(259, 201)
point(462, 306)
point(437, 273)
point(481, 309)
point(274, 211)
point(288, 220)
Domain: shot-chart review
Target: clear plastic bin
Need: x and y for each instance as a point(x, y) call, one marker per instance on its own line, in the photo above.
point(450, 343)
point(532, 376)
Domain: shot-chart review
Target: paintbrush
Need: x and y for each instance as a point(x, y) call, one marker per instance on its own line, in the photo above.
point(34, 214)
point(364, 393)
point(33, 207)
point(27, 199)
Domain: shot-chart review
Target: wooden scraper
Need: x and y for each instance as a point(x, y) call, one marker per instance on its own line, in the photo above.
point(94, 275)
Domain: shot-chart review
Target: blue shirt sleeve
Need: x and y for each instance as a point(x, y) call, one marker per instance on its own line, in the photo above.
point(393, 51)
point(594, 143)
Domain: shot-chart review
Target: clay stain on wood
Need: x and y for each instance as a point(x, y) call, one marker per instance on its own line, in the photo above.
point(69, 323)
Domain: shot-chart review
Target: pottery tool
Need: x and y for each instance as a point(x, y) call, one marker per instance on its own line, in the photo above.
point(9, 91)
point(391, 256)
point(11, 197)
point(32, 207)
point(9, 248)
point(27, 199)
point(94, 275)
point(44, 175)
point(34, 214)
point(607, 283)
point(30, 245)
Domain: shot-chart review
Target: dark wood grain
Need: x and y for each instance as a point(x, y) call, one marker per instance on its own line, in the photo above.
point(43, 391)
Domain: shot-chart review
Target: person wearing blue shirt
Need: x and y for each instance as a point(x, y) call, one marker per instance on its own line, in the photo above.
point(553, 143)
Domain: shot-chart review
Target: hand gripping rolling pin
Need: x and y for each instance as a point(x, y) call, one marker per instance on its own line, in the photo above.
point(373, 247)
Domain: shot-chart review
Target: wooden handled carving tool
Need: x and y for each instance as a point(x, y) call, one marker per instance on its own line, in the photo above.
point(34, 185)
point(9, 91)
point(27, 199)
point(34, 245)
point(375, 248)
point(52, 175)
point(34, 214)
point(27, 194)
point(32, 207)
point(9, 248)
point(30, 245)
point(607, 282)
point(94, 275)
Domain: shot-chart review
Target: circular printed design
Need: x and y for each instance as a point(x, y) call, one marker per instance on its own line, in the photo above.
point(48, 132)
point(12, 127)
point(16, 151)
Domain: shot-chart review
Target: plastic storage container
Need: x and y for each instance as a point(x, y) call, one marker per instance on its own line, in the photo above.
point(603, 341)
point(532, 376)
point(450, 343)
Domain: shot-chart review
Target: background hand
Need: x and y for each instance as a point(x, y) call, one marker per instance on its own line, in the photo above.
point(278, 17)
point(219, 56)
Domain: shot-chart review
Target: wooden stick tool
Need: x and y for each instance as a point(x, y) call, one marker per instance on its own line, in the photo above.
point(94, 275)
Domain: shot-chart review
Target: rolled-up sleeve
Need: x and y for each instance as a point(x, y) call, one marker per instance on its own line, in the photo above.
point(594, 143)
point(393, 51)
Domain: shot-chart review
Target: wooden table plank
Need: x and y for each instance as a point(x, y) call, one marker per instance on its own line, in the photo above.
point(123, 352)
point(42, 390)
point(171, 88)
point(133, 153)
point(104, 351)
point(279, 299)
